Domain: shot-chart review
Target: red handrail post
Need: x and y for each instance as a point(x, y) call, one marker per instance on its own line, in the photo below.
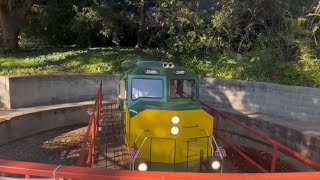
point(88, 162)
point(87, 153)
point(84, 147)
point(93, 137)
point(274, 158)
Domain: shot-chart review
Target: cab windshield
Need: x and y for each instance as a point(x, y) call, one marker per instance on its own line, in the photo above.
point(147, 88)
point(182, 89)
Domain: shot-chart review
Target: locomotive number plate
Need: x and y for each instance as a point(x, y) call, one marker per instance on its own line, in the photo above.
point(180, 72)
point(151, 71)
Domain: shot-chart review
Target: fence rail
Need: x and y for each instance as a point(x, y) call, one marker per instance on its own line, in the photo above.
point(87, 153)
point(275, 145)
point(29, 169)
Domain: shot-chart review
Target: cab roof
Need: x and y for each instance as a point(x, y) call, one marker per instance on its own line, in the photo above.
point(156, 68)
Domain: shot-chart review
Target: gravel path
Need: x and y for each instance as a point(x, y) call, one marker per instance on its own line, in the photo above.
point(61, 146)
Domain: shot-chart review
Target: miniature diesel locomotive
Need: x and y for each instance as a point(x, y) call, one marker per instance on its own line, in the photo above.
point(165, 127)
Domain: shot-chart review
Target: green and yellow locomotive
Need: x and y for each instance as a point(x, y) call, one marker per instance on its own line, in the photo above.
point(165, 127)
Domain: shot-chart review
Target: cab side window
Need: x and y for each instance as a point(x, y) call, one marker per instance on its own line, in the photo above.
point(182, 89)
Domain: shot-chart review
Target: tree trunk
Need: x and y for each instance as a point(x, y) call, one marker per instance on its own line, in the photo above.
point(10, 31)
point(12, 19)
point(142, 24)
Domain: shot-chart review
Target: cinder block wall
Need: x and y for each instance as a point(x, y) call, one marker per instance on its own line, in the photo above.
point(288, 101)
point(28, 91)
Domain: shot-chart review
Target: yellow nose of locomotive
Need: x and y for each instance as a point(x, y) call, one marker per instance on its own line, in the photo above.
point(172, 137)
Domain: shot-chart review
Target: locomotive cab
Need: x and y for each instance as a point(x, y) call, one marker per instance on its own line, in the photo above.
point(165, 127)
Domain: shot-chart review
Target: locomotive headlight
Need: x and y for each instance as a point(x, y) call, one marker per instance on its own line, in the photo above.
point(175, 131)
point(215, 165)
point(143, 166)
point(175, 120)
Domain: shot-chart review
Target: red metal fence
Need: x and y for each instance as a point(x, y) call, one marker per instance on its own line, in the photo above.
point(275, 145)
point(87, 153)
point(29, 170)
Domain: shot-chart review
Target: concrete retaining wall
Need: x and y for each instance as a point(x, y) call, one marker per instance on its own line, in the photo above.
point(4, 92)
point(29, 91)
point(28, 124)
point(287, 101)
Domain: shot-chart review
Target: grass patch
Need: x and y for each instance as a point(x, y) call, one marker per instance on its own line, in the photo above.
point(70, 60)
point(257, 68)
point(254, 67)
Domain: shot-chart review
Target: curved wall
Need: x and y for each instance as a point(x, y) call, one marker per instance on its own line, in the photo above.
point(293, 102)
point(287, 101)
point(36, 120)
point(30, 91)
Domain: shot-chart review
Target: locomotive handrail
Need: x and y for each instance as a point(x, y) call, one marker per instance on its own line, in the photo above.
point(137, 153)
point(276, 146)
point(212, 151)
point(135, 142)
point(137, 138)
point(215, 142)
point(131, 110)
point(144, 140)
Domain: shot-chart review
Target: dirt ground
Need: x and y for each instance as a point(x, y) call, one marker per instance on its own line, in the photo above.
point(60, 146)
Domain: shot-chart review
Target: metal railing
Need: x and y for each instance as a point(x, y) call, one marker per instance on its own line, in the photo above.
point(87, 153)
point(150, 156)
point(213, 144)
point(29, 170)
point(276, 146)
